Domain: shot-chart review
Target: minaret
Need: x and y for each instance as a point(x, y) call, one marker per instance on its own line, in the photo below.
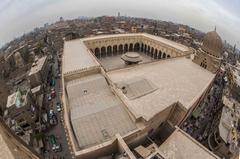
point(234, 48)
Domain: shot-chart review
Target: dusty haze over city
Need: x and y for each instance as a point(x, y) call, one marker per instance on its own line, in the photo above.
point(18, 17)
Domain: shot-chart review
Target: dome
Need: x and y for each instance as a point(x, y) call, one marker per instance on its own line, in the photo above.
point(212, 44)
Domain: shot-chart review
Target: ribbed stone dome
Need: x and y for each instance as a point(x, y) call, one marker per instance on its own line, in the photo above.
point(212, 44)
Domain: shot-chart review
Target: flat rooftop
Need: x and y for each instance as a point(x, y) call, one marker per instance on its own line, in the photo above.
point(38, 65)
point(15, 99)
point(162, 83)
point(77, 57)
point(168, 42)
point(96, 113)
point(182, 146)
point(157, 38)
point(11, 99)
point(225, 125)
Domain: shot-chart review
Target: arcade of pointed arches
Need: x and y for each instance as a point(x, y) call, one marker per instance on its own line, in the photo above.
point(111, 47)
point(123, 48)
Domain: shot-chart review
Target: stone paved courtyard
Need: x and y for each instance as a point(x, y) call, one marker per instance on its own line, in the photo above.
point(115, 62)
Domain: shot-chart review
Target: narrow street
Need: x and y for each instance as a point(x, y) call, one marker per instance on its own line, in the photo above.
point(58, 130)
point(199, 124)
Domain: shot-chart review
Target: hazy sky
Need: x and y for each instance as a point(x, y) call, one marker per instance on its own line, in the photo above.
point(21, 16)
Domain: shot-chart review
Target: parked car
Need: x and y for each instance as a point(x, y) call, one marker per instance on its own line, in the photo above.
point(53, 82)
point(51, 113)
point(53, 121)
point(55, 147)
point(49, 97)
point(53, 94)
point(59, 107)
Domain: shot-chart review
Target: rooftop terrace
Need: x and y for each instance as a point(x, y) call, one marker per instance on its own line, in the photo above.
point(37, 65)
point(77, 57)
point(177, 79)
point(96, 113)
point(182, 146)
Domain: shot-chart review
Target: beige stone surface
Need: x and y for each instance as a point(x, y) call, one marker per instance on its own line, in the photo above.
point(181, 146)
point(115, 62)
point(157, 38)
point(96, 113)
point(38, 65)
point(77, 56)
point(4, 150)
point(177, 79)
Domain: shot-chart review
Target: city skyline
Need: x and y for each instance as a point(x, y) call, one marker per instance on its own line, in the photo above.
point(18, 18)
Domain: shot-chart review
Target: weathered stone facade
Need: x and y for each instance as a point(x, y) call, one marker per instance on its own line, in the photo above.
point(210, 55)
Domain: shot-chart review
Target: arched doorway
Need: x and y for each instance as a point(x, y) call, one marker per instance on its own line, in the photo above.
point(164, 55)
point(159, 54)
point(114, 49)
point(155, 54)
point(142, 47)
point(109, 51)
point(152, 49)
point(131, 47)
point(120, 48)
point(148, 49)
point(125, 48)
point(168, 56)
point(145, 48)
point(103, 51)
point(97, 52)
point(152, 54)
point(136, 47)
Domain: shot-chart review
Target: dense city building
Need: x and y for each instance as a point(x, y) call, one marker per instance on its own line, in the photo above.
point(39, 71)
point(21, 112)
point(224, 140)
point(12, 147)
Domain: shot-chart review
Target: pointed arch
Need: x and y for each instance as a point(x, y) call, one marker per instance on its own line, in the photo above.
point(131, 47)
point(136, 47)
point(103, 51)
point(109, 50)
point(114, 49)
point(125, 48)
point(97, 52)
point(164, 55)
point(120, 48)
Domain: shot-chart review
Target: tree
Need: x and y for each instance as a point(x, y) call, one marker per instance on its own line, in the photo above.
point(26, 55)
point(39, 136)
point(39, 47)
point(12, 63)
